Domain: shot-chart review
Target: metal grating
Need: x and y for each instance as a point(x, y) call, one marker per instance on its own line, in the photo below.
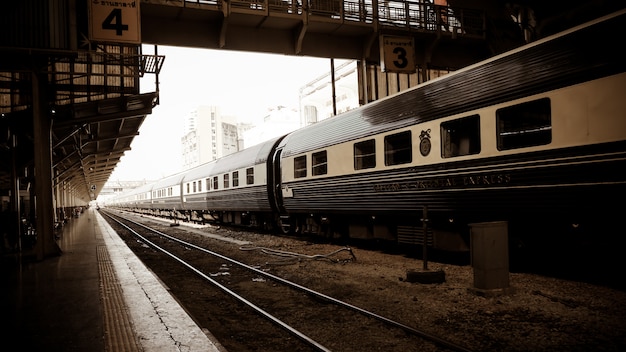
point(414, 235)
point(151, 64)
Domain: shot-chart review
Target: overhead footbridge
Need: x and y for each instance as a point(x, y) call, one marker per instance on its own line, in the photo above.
point(347, 29)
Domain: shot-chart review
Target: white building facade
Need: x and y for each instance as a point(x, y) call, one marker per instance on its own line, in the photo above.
point(277, 122)
point(208, 136)
point(316, 97)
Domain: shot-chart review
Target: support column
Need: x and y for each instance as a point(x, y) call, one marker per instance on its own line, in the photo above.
point(15, 231)
point(362, 69)
point(42, 133)
point(332, 82)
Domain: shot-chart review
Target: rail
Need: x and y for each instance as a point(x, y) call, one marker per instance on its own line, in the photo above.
point(124, 221)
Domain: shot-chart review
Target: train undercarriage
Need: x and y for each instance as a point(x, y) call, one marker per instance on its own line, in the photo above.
point(530, 236)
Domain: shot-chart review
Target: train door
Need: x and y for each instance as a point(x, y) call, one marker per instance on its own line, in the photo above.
point(274, 181)
point(274, 191)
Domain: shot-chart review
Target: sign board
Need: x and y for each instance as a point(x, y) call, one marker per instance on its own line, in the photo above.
point(115, 21)
point(397, 54)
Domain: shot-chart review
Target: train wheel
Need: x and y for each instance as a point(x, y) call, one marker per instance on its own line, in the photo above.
point(285, 224)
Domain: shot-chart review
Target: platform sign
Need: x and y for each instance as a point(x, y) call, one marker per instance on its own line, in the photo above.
point(115, 21)
point(397, 54)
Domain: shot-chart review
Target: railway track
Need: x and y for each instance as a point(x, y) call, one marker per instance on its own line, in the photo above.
point(248, 308)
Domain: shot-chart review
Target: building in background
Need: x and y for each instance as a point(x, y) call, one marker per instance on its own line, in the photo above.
point(208, 136)
point(316, 104)
point(277, 122)
point(316, 97)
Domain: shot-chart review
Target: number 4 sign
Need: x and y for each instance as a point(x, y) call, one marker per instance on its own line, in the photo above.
point(115, 21)
point(397, 54)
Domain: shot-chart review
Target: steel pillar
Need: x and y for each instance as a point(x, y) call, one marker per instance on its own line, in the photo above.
point(42, 134)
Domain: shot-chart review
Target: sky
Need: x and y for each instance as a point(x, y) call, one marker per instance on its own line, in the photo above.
point(242, 84)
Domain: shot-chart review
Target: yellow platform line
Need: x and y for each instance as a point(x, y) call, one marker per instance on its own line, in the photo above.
point(119, 333)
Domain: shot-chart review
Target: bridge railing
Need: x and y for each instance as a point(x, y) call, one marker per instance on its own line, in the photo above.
point(425, 16)
point(414, 15)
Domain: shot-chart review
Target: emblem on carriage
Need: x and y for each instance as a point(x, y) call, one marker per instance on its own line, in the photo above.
point(425, 142)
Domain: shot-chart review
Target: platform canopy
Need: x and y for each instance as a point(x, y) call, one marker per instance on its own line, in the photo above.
point(89, 101)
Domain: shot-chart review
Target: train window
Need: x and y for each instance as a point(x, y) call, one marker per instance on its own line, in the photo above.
point(460, 137)
point(398, 148)
point(194, 187)
point(208, 184)
point(299, 167)
point(320, 163)
point(226, 181)
point(365, 155)
point(215, 182)
point(235, 178)
point(524, 125)
point(187, 188)
point(250, 176)
point(199, 185)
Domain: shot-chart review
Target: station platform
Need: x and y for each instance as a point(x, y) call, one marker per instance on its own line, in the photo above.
point(96, 296)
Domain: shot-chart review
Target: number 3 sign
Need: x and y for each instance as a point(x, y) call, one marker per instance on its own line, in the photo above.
point(115, 21)
point(397, 54)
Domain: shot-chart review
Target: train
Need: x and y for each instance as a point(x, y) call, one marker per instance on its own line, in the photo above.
point(534, 137)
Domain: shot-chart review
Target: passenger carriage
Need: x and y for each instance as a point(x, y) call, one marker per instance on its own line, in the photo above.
point(167, 198)
point(195, 185)
point(535, 137)
point(136, 200)
point(235, 187)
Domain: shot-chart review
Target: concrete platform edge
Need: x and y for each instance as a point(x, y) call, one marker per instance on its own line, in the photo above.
point(160, 322)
